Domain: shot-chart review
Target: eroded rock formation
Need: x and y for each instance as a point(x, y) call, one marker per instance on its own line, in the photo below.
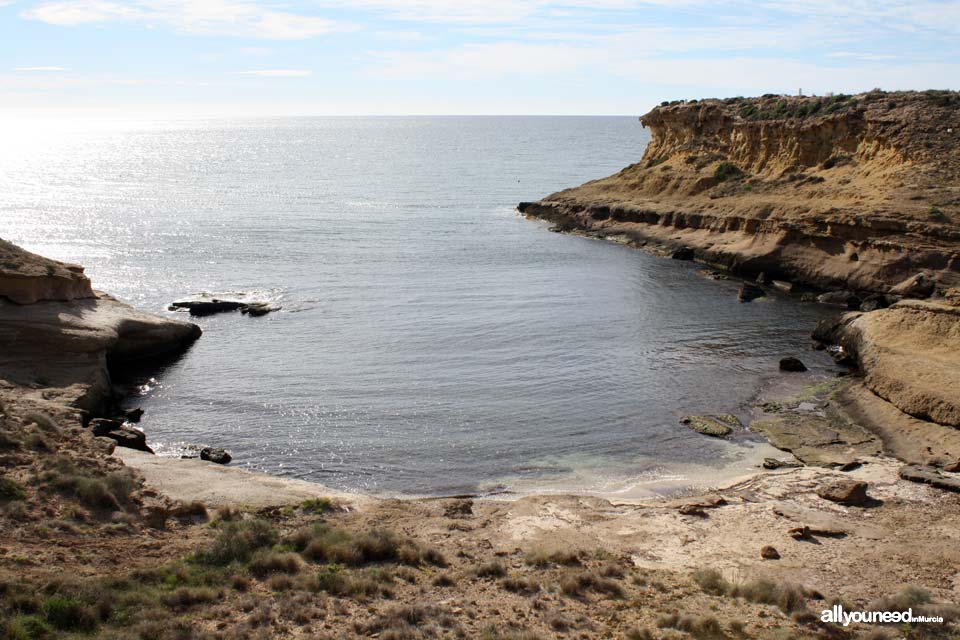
point(845, 192)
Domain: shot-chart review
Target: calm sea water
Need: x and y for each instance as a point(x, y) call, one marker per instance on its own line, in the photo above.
point(431, 340)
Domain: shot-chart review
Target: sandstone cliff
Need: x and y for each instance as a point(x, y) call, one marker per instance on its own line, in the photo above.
point(844, 192)
point(58, 335)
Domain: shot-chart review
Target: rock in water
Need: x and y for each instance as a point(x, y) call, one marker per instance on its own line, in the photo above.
point(123, 435)
point(792, 364)
point(683, 253)
point(207, 307)
point(750, 292)
point(717, 426)
point(217, 455)
point(852, 493)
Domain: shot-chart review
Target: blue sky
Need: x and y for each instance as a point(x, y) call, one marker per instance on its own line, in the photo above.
point(261, 57)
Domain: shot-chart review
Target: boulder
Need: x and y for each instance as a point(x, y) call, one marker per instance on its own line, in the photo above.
point(683, 253)
point(717, 426)
point(873, 302)
point(847, 299)
point(750, 292)
point(206, 305)
point(852, 493)
point(792, 364)
point(214, 454)
point(123, 435)
point(769, 553)
point(918, 286)
point(133, 415)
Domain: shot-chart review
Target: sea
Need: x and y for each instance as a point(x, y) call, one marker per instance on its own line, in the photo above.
point(430, 340)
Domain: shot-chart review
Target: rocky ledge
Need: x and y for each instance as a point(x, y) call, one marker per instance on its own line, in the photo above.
point(856, 193)
point(59, 337)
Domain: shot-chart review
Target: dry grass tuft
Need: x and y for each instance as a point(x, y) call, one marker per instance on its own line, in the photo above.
point(578, 584)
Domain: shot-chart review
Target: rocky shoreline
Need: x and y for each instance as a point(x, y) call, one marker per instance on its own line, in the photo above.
point(755, 559)
point(852, 193)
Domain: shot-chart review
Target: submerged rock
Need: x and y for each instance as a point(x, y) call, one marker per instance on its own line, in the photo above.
point(717, 426)
point(750, 292)
point(792, 364)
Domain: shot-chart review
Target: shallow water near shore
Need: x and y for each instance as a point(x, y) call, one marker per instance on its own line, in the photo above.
point(431, 340)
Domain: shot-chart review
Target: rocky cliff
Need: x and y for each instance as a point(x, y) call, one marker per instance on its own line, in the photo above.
point(58, 336)
point(842, 192)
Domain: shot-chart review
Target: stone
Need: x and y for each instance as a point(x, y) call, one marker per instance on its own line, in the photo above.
point(800, 533)
point(707, 425)
point(926, 475)
point(952, 467)
point(851, 493)
point(215, 454)
point(846, 299)
point(873, 302)
point(133, 415)
point(783, 285)
point(918, 286)
point(792, 364)
point(773, 463)
point(769, 553)
point(692, 510)
point(207, 307)
point(762, 278)
point(683, 253)
point(750, 292)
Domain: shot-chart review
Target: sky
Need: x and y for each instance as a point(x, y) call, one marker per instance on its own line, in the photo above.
point(238, 58)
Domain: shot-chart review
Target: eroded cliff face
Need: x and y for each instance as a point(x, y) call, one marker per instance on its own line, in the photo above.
point(58, 335)
point(26, 277)
point(852, 192)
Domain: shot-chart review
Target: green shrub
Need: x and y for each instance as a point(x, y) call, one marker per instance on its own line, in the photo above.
point(69, 614)
point(726, 170)
point(185, 597)
point(25, 628)
point(11, 490)
point(937, 214)
point(327, 544)
point(237, 541)
point(318, 505)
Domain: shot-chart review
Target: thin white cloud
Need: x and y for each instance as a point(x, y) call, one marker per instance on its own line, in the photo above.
point(242, 18)
point(277, 73)
point(39, 69)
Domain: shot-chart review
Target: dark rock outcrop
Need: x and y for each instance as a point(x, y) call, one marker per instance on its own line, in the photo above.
point(792, 364)
point(215, 454)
